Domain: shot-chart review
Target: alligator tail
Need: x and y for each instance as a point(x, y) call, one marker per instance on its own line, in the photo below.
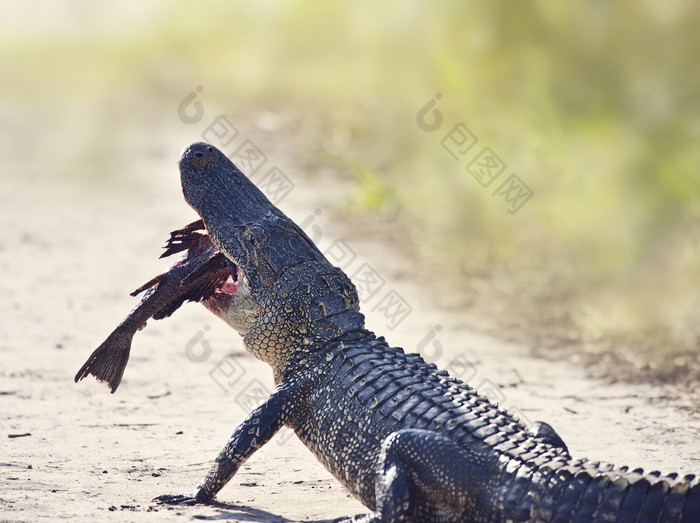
point(636, 497)
point(108, 361)
point(593, 492)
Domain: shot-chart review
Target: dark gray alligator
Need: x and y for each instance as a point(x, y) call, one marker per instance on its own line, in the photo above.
point(408, 440)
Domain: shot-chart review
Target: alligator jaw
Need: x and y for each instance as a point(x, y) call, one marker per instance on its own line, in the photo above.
point(187, 239)
point(233, 303)
point(226, 291)
point(243, 224)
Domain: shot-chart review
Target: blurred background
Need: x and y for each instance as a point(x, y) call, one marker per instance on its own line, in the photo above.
point(542, 158)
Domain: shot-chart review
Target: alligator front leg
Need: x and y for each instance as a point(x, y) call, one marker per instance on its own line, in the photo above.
point(255, 430)
point(420, 472)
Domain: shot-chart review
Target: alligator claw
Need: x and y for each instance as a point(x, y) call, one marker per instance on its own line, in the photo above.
point(178, 499)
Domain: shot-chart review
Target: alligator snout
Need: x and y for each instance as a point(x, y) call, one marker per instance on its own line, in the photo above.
point(198, 155)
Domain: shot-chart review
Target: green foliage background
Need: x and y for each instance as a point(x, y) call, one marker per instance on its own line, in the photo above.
point(595, 105)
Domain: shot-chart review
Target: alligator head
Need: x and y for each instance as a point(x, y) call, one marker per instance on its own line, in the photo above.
point(260, 242)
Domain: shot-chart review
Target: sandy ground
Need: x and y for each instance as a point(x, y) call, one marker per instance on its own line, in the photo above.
point(69, 256)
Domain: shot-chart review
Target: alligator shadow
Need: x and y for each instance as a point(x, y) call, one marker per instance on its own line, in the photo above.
point(230, 511)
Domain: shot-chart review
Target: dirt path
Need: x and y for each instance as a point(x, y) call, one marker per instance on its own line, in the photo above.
point(69, 257)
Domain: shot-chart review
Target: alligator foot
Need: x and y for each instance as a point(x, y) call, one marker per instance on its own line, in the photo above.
point(450, 478)
point(179, 499)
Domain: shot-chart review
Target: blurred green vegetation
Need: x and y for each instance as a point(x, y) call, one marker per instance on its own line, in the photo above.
point(594, 105)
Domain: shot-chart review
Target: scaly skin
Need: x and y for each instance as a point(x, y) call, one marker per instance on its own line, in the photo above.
point(409, 441)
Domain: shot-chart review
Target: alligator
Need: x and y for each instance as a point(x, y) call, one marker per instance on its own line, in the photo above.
point(408, 440)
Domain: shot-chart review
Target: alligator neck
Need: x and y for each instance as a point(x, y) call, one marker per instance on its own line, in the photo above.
point(313, 306)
